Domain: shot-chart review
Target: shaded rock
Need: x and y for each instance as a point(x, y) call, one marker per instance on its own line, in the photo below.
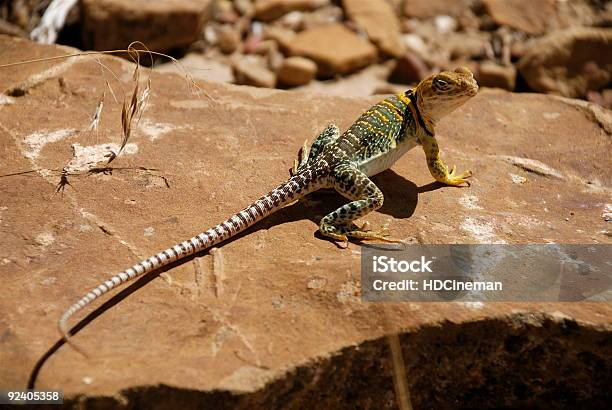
point(538, 17)
point(161, 25)
point(269, 49)
point(334, 48)
point(296, 71)
point(245, 327)
point(490, 74)
point(253, 70)
point(437, 48)
point(529, 16)
point(432, 8)
point(379, 20)
point(201, 68)
point(12, 29)
point(267, 10)
point(603, 98)
point(569, 62)
point(464, 45)
point(409, 69)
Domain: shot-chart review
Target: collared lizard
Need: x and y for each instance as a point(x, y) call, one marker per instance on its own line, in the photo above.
point(378, 138)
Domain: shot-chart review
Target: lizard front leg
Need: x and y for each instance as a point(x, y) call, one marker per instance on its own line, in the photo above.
point(366, 197)
point(306, 155)
point(438, 168)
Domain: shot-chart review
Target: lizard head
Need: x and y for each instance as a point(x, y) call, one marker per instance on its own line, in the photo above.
point(441, 93)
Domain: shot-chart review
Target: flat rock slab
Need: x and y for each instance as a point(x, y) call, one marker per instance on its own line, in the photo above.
point(162, 24)
point(334, 48)
point(274, 317)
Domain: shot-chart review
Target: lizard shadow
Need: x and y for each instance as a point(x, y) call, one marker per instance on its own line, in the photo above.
point(401, 198)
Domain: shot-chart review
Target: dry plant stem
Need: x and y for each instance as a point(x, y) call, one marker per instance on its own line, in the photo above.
point(193, 87)
point(400, 383)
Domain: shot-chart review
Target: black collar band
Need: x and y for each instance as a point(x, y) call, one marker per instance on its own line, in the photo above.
point(413, 99)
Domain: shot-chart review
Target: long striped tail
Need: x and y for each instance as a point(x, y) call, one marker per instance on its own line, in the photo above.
point(295, 188)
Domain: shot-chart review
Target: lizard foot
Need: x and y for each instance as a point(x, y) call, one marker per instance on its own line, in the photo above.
point(365, 233)
point(457, 180)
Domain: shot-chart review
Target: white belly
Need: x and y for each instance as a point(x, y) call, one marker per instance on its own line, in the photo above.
point(385, 161)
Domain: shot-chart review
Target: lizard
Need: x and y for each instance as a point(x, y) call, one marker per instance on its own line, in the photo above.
point(344, 162)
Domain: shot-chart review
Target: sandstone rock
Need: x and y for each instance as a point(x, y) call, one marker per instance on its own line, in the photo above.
point(607, 98)
point(201, 68)
point(293, 20)
point(538, 17)
point(409, 69)
point(432, 8)
point(603, 98)
point(12, 29)
point(334, 48)
point(569, 62)
point(464, 45)
point(494, 75)
point(269, 49)
point(282, 36)
point(379, 20)
point(161, 25)
point(415, 43)
point(228, 38)
point(252, 70)
point(267, 10)
point(243, 326)
point(244, 7)
point(529, 16)
point(223, 11)
point(363, 83)
point(296, 71)
point(323, 16)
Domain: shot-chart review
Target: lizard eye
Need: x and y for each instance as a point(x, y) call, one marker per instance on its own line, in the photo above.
point(440, 83)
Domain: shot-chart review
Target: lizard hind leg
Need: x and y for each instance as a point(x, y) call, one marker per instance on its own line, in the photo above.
point(306, 154)
point(366, 197)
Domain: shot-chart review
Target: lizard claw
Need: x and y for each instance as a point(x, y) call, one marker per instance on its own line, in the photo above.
point(458, 180)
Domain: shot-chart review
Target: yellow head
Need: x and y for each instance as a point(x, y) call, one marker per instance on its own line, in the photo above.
point(441, 93)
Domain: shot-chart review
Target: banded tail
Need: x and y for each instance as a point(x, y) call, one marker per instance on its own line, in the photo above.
point(295, 188)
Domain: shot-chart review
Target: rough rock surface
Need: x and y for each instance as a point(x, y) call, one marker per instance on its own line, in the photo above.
point(161, 25)
point(273, 319)
point(569, 62)
point(334, 48)
point(379, 20)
